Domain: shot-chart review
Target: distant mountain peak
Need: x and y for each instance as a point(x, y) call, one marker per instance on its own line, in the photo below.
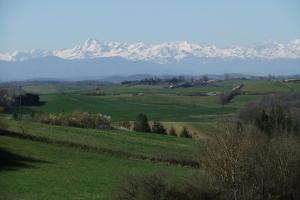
point(92, 45)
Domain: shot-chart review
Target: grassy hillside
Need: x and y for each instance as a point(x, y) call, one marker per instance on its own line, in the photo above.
point(41, 171)
point(185, 106)
point(157, 107)
point(57, 162)
point(83, 170)
point(118, 142)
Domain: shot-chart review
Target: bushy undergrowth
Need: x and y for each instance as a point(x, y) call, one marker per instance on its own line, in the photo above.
point(159, 186)
point(185, 133)
point(77, 119)
point(172, 131)
point(141, 123)
point(157, 127)
point(246, 163)
point(239, 162)
point(274, 113)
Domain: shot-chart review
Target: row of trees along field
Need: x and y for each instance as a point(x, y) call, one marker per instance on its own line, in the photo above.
point(253, 156)
point(10, 101)
point(141, 124)
point(99, 121)
point(77, 119)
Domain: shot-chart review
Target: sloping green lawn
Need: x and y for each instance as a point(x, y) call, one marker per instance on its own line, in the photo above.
point(145, 144)
point(157, 107)
point(38, 171)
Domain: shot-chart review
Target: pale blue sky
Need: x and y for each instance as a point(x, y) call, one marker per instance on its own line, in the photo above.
point(51, 24)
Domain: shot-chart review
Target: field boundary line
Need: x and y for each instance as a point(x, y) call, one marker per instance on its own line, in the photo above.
point(84, 147)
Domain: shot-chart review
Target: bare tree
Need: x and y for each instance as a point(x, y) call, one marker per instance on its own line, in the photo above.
point(247, 164)
point(224, 153)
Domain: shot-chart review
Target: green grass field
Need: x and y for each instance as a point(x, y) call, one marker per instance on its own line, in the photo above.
point(47, 171)
point(156, 106)
point(177, 107)
point(180, 104)
point(144, 144)
point(75, 163)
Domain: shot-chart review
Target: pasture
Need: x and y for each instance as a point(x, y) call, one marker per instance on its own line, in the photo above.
point(59, 162)
point(180, 107)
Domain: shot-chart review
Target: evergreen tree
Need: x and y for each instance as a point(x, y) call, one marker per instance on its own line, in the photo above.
point(276, 120)
point(172, 131)
point(141, 123)
point(158, 128)
point(185, 133)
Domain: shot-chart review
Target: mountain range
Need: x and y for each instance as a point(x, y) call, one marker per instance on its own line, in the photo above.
point(94, 59)
point(161, 53)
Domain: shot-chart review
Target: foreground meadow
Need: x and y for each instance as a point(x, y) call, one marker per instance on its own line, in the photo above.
point(41, 161)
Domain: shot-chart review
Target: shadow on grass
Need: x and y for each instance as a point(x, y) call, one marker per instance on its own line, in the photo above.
point(12, 161)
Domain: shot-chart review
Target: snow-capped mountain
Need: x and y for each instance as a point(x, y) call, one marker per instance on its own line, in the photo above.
point(161, 53)
point(94, 59)
point(24, 55)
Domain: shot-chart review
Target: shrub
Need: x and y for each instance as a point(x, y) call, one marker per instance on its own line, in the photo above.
point(159, 186)
point(185, 133)
point(239, 163)
point(125, 124)
point(157, 127)
point(27, 99)
point(172, 131)
point(153, 186)
point(247, 165)
point(274, 113)
point(6, 99)
point(226, 97)
point(77, 119)
point(141, 123)
point(277, 120)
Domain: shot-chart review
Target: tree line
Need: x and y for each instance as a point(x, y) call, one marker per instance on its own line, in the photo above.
point(8, 100)
point(141, 124)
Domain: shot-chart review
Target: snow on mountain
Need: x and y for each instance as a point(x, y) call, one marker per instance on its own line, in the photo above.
point(24, 55)
point(161, 53)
